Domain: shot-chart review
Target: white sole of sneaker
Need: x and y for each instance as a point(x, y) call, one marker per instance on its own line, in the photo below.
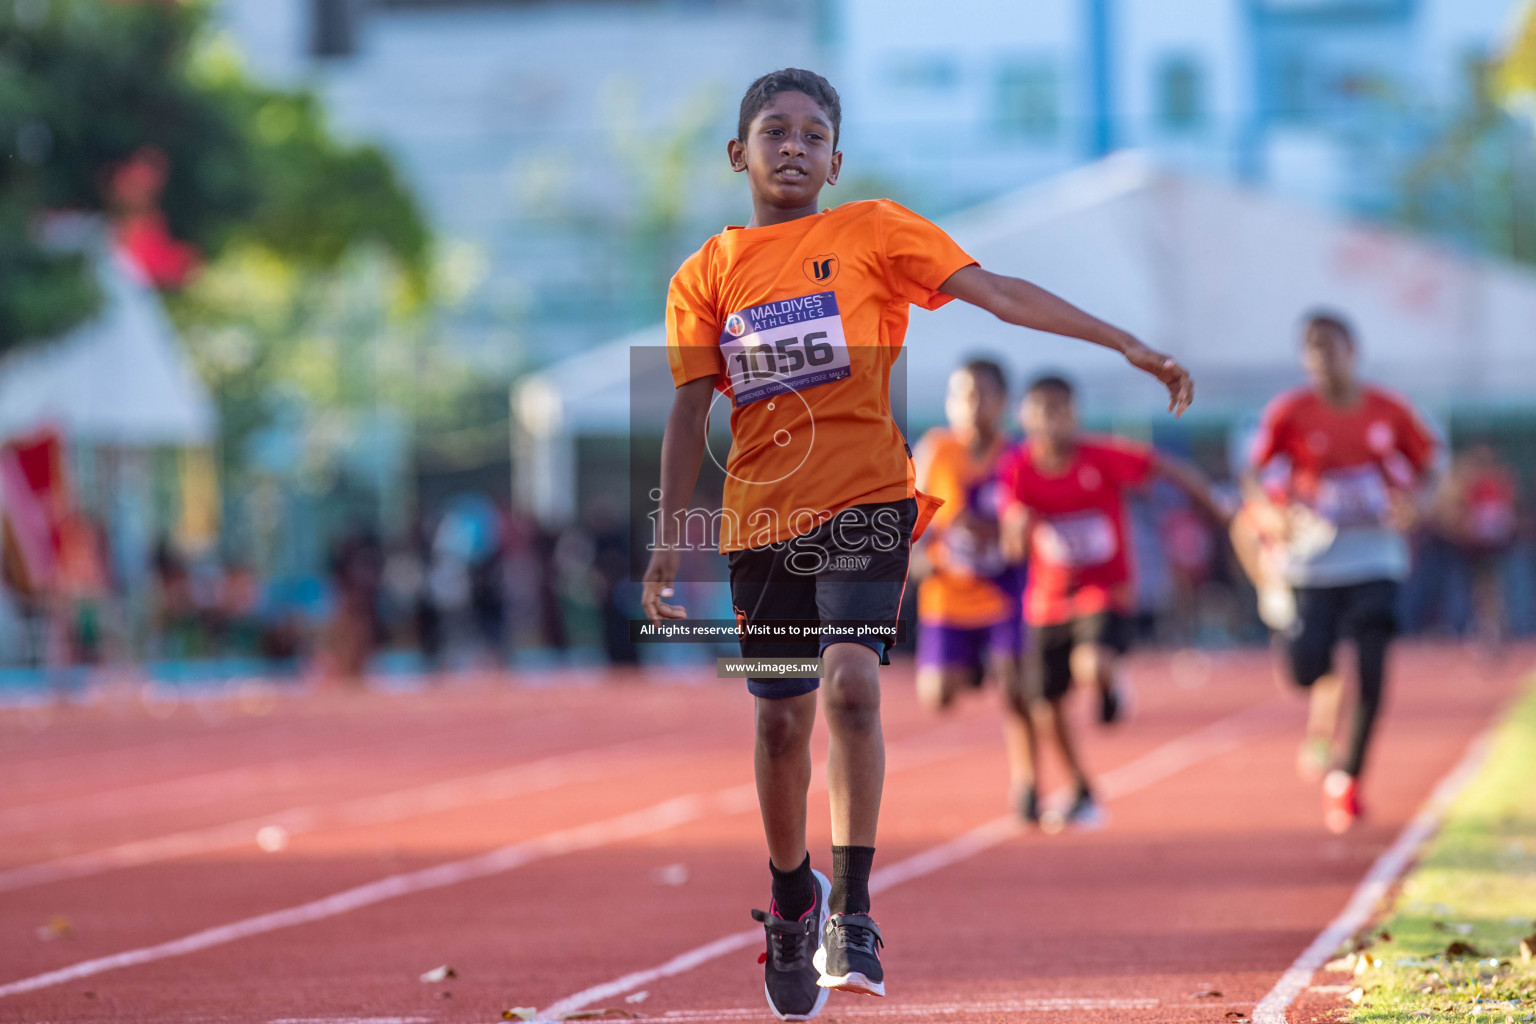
point(854, 982)
point(851, 982)
point(824, 888)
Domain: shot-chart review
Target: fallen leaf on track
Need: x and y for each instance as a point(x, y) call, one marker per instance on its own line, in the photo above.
point(1209, 993)
point(519, 1013)
point(438, 974)
point(58, 927)
point(602, 1014)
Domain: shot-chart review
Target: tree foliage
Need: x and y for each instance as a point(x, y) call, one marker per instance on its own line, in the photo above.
point(87, 84)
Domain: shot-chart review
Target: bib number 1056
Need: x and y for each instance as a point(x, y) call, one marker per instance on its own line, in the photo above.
point(784, 356)
point(789, 345)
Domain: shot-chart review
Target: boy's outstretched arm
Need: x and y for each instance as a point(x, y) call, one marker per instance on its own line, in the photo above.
point(682, 451)
point(1193, 483)
point(1019, 302)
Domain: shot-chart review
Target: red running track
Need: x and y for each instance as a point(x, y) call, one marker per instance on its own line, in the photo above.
point(585, 845)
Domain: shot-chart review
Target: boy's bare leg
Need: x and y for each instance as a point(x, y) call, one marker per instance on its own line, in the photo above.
point(856, 754)
point(1095, 665)
point(1324, 699)
point(782, 762)
point(1050, 716)
point(1018, 726)
point(937, 687)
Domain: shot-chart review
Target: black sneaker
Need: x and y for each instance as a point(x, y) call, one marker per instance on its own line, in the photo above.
point(1111, 704)
point(790, 979)
point(1084, 812)
point(1027, 803)
point(847, 959)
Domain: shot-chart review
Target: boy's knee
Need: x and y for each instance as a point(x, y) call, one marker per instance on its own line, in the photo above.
point(851, 693)
point(1091, 664)
point(783, 728)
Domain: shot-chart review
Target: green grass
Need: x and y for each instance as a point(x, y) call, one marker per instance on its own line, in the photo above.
point(1476, 885)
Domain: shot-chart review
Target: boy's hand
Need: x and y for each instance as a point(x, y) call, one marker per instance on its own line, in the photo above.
point(1181, 389)
point(1013, 532)
point(658, 580)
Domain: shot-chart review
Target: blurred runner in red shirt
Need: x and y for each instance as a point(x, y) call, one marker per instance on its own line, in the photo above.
point(1064, 509)
point(1357, 458)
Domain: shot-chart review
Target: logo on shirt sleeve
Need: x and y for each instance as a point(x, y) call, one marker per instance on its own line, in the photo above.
point(821, 269)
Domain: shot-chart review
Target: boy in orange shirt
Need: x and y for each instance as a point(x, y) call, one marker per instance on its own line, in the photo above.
point(797, 319)
point(968, 622)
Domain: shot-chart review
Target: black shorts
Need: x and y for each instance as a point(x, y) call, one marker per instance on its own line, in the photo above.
point(1048, 672)
point(848, 575)
point(1326, 615)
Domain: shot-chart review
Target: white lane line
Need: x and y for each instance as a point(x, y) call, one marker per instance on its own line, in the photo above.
point(927, 1011)
point(662, 816)
point(1373, 888)
point(1210, 741)
point(549, 773)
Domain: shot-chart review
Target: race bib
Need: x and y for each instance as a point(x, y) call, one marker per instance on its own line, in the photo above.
point(973, 542)
point(1077, 541)
point(1353, 497)
point(789, 345)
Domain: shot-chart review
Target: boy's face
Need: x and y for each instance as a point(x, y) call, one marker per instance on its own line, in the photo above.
point(1328, 356)
point(973, 404)
point(1049, 415)
point(788, 152)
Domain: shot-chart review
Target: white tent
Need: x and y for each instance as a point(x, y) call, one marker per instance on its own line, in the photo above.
point(120, 379)
point(1221, 275)
point(1217, 274)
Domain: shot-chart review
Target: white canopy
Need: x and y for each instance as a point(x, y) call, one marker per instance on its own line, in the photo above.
point(120, 379)
point(1220, 276)
point(1217, 274)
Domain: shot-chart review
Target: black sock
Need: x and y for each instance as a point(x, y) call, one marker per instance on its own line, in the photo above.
point(850, 879)
point(793, 891)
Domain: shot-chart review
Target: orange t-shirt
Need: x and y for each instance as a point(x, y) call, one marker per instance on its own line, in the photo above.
point(799, 323)
point(966, 587)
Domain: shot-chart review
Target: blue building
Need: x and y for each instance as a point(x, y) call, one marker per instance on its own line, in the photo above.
point(1319, 98)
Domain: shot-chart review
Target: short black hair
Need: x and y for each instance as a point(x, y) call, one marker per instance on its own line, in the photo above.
point(980, 366)
point(1053, 382)
point(1330, 319)
point(761, 93)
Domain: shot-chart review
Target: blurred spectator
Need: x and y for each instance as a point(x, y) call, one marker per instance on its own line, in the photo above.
point(616, 596)
point(240, 609)
point(353, 634)
point(1473, 523)
point(85, 589)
